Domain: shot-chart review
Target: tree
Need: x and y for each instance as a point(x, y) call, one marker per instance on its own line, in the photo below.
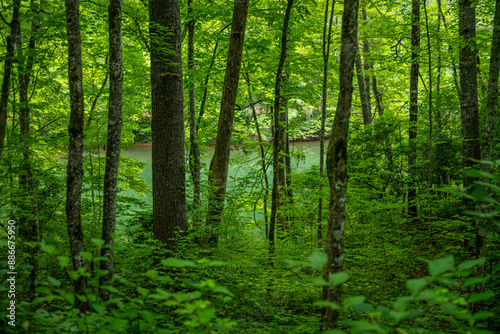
point(325, 48)
point(75, 150)
point(220, 161)
point(7, 70)
point(336, 160)
point(279, 137)
point(26, 179)
point(114, 142)
point(491, 118)
point(412, 155)
point(169, 198)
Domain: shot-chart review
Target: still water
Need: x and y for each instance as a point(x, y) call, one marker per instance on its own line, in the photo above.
point(304, 156)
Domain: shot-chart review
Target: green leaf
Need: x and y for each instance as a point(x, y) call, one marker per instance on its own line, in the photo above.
point(353, 301)
point(363, 307)
point(177, 263)
point(338, 278)
point(53, 281)
point(471, 264)
point(98, 242)
point(478, 297)
point(478, 192)
point(63, 260)
point(415, 285)
point(144, 292)
point(327, 303)
point(482, 315)
point(399, 316)
point(317, 259)
point(86, 255)
point(401, 304)
point(440, 266)
point(479, 174)
point(476, 280)
point(49, 249)
point(317, 280)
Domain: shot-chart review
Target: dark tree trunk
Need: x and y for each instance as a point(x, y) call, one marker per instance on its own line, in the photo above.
point(75, 148)
point(490, 121)
point(430, 96)
point(367, 65)
point(468, 88)
point(336, 160)
point(327, 37)
point(262, 155)
point(26, 180)
point(7, 70)
point(194, 153)
point(279, 137)
point(362, 89)
point(412, 155)
point(220, 161)
point(114, 142)
point(169, 198)
point(378, 97)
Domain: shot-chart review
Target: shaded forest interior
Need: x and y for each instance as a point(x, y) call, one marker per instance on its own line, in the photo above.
point(396, 229)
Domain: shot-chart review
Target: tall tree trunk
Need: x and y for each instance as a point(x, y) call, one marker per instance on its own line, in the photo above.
point(491, 119)
point(468, 88)
point(114, 142)
point(412, 155)
point(430, 95)
point(7, 70)
point(194, 153)
point(279, 137)
point(336, 160)
point(327, 37)
point(26, 180)
point(75, 148)
point(365, 108)
point(378, 97)
point(367, 65)
point(169, 198)
point(262, 154)
point(220, 161)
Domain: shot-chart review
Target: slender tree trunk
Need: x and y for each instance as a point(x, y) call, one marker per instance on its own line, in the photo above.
point(169, 198)
point(378, 97)
point(468, 88)
point(262, 154)
point(412, 155)
point(205, 91)
point(490, 121)
point(7, 70)
point(279, 137)
point(365, 108)
point(430, 96)
point(336, 160)
point(220, 161)
point(114, 142)
point(367, 65)
point(75, 148)
point(327, 37)
point(27, 182)
point(195, 161)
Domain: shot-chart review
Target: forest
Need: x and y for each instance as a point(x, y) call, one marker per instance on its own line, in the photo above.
point(249, 166)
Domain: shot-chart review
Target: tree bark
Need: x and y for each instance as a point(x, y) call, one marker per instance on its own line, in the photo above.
point(490, 121)
point(113, 143)
point(26, 180)
point(169, 198)
point(327, 37)
point(7, 70)
point(279, 138)
point(430, 96)
point(412, 155)
point(262, 155)
point(365, 104)
point(220, 161)
point(75, 149)
point(337, 160)
point(194, 153)
point(468, 88)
